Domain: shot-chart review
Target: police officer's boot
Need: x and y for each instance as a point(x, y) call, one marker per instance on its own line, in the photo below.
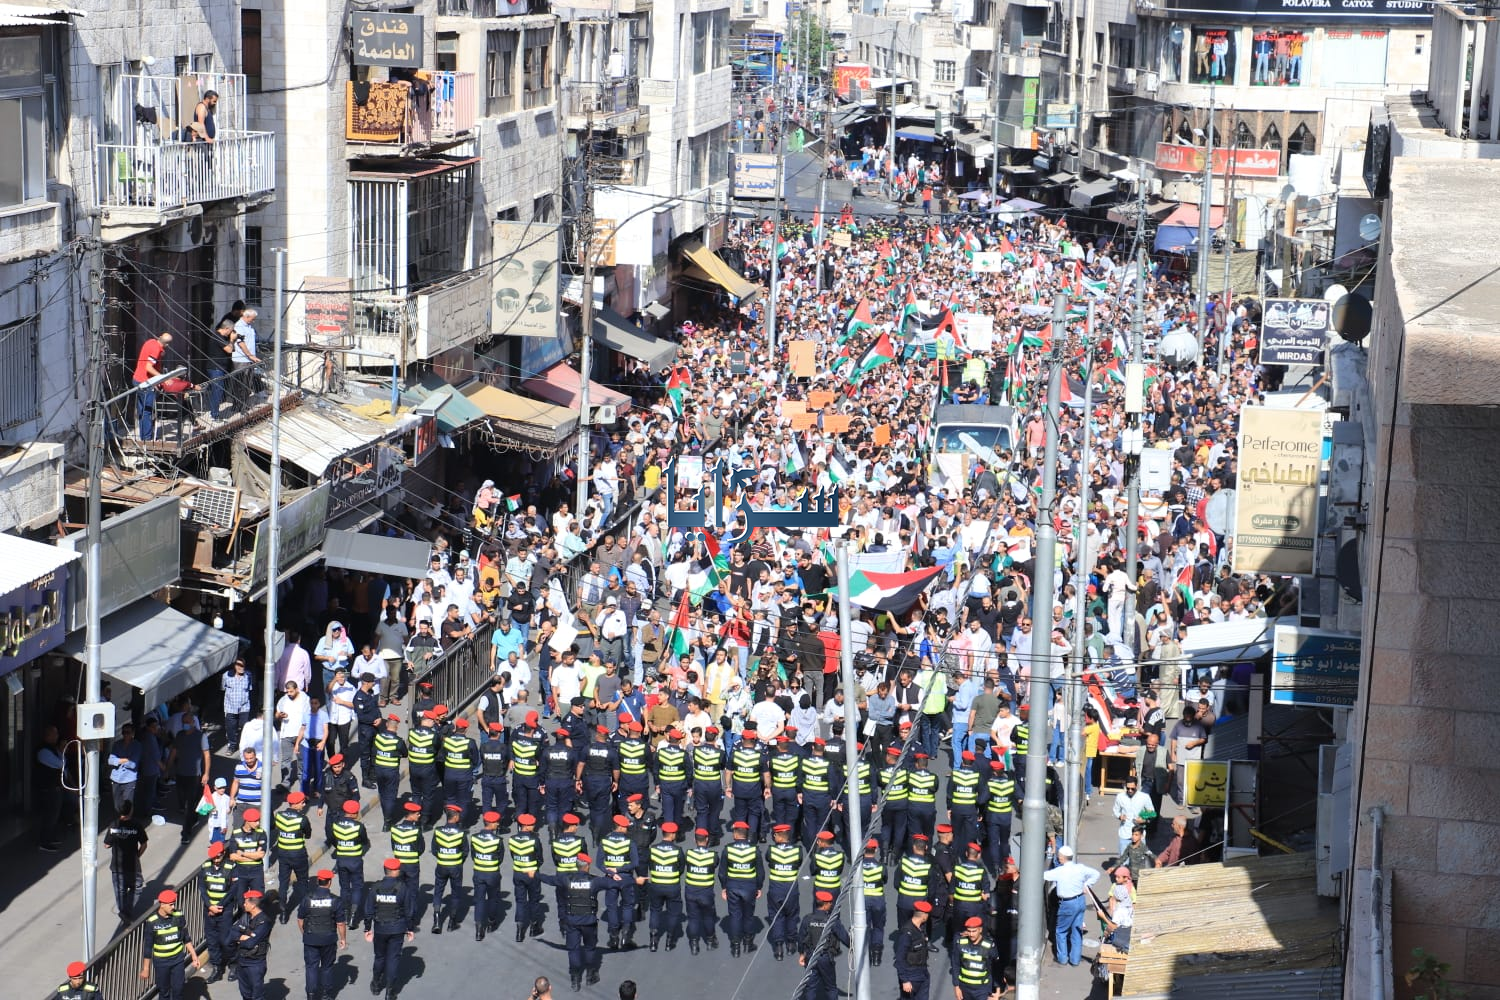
point(216, 974)
point(576, 978)
point(777, 952)
point(713, 941)
point(876, 952)
point(614, 940)
point(671, 940)
point(593, 976)
point(453, 923)
point(390, 993)
point(437, 922)
point(478, 930)
point(377, 984)
point(520, 933)
point(630, 935)
point(692, 945)
point(734, 947)
point(655, 940)
point(749, 943)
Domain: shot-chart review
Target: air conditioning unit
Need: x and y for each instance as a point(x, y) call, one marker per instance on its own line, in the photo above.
point(604, 415)
point(1129, 76)
point(1153, 82)
point(930, 101)
point(1153, 187)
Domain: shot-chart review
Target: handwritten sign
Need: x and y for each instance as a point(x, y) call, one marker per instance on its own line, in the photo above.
point(819, 400)
point(800, 355)
point(804, 421)
point(882, 435)
point(382, 39)
point(836, 423)
point(817, 510)
point(792, 408)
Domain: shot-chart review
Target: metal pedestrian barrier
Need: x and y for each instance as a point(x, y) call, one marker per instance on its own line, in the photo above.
point(117, 967)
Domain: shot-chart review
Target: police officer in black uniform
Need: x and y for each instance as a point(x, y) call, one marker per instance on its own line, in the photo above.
point(783, 901)
point(526, 746)
point(216, 885)
point(494, 760)
point(292, 831)
point(407, 845)
point(367, 715)
point(167, 946)
point(597, 774)
point(339, 787)
point(708, 784)
point(673, 771)
point(450, 848)
point(252, 936)
point(579, 917)
point(874, 872)
point(351, 842)
point(386, 751)
point(77, 985)
point(388, 911)
point(525, 860)
point(741, 876)
point(324, 924)
point(664, 877)
point(643, 831)
point(750, 785)
point(247, 848)
point(973, 963)
point(617, 856)
point(486, 851)
point(460, 761)
point(700, 863)
point(559, 779)
point(422, 755)
point(635, 762)
point(822, 934)
point(910, 955)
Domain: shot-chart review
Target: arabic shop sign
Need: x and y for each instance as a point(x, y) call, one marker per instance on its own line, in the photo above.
point(33, 619)
point(1180, 159)
point(1294, 331)
point(818, 510)
point(1276, 510)
point(387, 39)
point(1207, 783)
point(1314, 667)
point(302, 525)
point(139, 554)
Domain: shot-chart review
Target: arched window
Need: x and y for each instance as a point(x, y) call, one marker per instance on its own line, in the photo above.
point(1243, 137)
point(1272, 138)
point(1302, 141)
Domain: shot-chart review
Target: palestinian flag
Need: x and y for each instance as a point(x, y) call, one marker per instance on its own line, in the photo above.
point(875, 355)
point(675, 386)
point(680, 625)
point(970, 243)
point(701, 584)
point(859, 319)
point(893, 592)
point(795, 462)
point(1038, 338)
point(841, 360)
point(909, 311)
point(1185, 584)
point(1072, 390)
point(513, 503)
point(837, 470)
point(1115, 372)
point(1008, 251)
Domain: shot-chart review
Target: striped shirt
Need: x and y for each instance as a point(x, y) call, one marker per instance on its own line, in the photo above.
point(247, 782)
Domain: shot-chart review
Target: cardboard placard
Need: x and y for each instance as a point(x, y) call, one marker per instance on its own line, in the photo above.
point(804, 421)
point(820, 399)
point(836, 423)
point(801, 357)
point(882, 434)
point(793, 408)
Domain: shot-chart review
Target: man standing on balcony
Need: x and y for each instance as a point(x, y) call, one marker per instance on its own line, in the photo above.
point(205, 128)
point(148, 365)
point(244, 357)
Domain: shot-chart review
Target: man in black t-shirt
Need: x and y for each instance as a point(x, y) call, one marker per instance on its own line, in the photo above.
point(126, 840)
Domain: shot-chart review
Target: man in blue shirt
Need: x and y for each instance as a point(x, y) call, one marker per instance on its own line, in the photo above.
point(1072, 881)
point(244, 357)
point(963, 700)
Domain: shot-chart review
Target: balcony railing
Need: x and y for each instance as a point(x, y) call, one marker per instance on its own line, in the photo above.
point(492, 8)
point(163, 176)
point(608, 101)
point(393, 113)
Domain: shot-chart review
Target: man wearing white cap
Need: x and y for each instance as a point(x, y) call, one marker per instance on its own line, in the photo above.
point(1072, 880)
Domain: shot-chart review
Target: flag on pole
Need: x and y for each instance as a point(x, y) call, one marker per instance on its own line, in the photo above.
point(893, 592)
point(1038, 338)
point(1185, 584)
point(513, 503)
point(680, 625)
point(859, 319)
point(875, 355)
point(675, 386)
point(840, 360)
point(1008, 251)
point(909, 311)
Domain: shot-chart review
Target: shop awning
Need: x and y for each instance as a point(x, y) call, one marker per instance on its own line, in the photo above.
point(520, 420)
point(1188, 216)
point(708, 266)
point(1061, 178)
point(23, 562)
point(454, 411)
point(560, 384)
point(975, 143)
point(1084, 195)
point(160, 650)
point(619, 334)
point(398, 557)
point(314, 436)
point(917, 133)
point(657, 311)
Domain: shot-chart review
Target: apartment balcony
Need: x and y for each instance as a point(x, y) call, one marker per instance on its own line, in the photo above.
point(145, 186)
point(397, 118)
point(492, 8)
point(163, 154)
point(1025, 61)
point(976, 38)
point(606, 104)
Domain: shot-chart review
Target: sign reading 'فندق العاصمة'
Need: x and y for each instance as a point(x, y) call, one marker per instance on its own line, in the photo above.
point(381, 39)
point(818, 509)
point(1276, 510)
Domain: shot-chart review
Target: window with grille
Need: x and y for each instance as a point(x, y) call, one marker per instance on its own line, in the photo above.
point(254, 264)
point(20, 401)
point(500, 71)
point(944, 70)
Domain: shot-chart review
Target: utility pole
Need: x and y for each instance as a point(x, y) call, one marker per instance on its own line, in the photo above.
point(997, 21)
point(585, 233)
point(1031, 935)
point(1205, 240)
point(1230, 226)
point(1134, 437)
point(859, 984)
point(93, 680)
point(776, 231)
point(821, 250)
point(1073, 786)
point(273, 562)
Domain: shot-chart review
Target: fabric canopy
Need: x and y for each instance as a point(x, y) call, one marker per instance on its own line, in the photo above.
point(560, 384)
point(454, 411)
point(917, 133)
point(619, 334)
point(398, 557)
point(711, 268)
point(161, 651)
point(313, 436)
point(1084, 195)
point(522, 419)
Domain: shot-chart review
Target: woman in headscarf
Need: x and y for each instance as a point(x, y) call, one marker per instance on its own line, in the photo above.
point(485, 502)
point(334, 650)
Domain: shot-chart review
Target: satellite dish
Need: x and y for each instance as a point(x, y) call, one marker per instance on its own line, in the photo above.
point(1219, 513)
point(1370, 227)
point(1178, 348)
point(1352, 316)
point(1176, 33)
point(1333, 293)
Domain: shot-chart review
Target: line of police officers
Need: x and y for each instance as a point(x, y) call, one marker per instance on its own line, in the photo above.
point(644, 873)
